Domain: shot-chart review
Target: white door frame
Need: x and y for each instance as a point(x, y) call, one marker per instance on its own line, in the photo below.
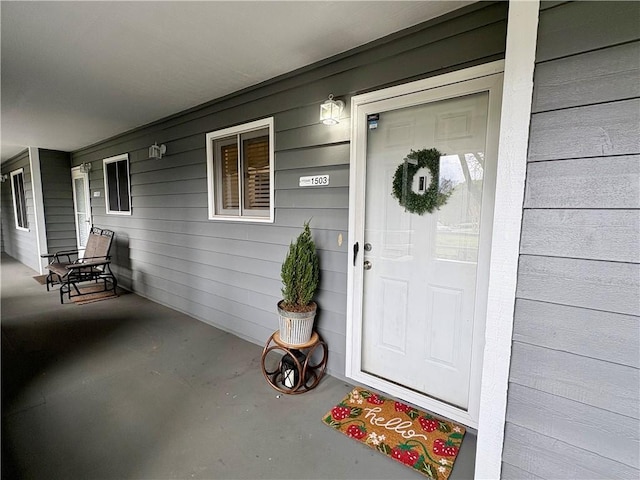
point(480, 78)
point(75, 173)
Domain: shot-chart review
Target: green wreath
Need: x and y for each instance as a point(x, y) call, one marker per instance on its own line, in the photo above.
point(434, 196)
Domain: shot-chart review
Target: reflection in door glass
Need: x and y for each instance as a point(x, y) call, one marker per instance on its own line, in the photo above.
point(83, 229)
point(458, 226)
point(80, 200)
point(81, 209)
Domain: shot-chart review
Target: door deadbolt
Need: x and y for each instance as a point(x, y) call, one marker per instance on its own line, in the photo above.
point(367, 247)
point(367, 265)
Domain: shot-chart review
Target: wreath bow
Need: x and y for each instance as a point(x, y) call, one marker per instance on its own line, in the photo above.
point(434, 196)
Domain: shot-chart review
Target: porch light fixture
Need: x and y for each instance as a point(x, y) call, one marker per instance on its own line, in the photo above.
point(330, 111)
point(156, 151)
point(4, 177)
point(85, 167)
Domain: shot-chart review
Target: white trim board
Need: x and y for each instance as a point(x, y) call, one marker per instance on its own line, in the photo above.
point(522, 28)
point(38, 208)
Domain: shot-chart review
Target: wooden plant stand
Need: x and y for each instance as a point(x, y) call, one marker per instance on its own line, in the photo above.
point(309, 374)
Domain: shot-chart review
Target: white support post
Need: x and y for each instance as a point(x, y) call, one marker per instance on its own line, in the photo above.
point(38, 206)
point(522, 28)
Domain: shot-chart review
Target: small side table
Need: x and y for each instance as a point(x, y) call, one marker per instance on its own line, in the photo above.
point(308, 373)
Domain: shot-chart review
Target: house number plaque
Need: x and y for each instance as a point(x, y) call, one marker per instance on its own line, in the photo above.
point(314, 181)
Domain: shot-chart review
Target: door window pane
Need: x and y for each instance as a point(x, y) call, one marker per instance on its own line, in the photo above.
point(19, 200)
point(80, 200)
point(458, 227)
point(82, 208)
point(83, 229)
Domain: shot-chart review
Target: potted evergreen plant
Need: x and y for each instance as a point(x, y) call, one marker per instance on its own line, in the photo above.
point(300, 278)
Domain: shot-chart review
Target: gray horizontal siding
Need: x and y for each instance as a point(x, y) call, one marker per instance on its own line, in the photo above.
point(592, 26)
point(588, 234)
point(595, 77)
point(573, 404)
point(600, 384)
point(19, 244)
point(509, 472)
point(590, 131)
point(597, 285)
point(602, 182)
point(254, 257)
point(312, 197)
point(312, 135)
point(57, 193)
point(547, 457)
point(565, 419)
point(228, 274)
point(326, 156)
point(229, 315)
point(611, 337)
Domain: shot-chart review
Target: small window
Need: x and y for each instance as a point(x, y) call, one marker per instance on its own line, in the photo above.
point(19, 200)
point(116, 185)
point(240, 172)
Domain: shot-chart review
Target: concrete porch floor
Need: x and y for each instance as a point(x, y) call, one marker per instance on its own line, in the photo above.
point(127, 388)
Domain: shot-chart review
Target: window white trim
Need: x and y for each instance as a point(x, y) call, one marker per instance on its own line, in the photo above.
point(212, 173)
point(107, 206)
point(14, 196)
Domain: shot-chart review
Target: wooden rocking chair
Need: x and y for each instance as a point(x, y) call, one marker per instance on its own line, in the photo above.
point(69, 270)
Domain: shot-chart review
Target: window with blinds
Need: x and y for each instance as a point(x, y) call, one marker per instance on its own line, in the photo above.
point(240, 172)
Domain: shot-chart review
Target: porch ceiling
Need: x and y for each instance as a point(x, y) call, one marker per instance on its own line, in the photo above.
point(74, 73)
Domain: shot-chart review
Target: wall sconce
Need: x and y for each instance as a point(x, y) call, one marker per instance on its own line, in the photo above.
point(85, 167)
point(156, 151)
point(330, 111)
point(4, 177)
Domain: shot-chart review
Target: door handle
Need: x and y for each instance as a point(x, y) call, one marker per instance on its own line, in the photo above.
point(367, 265)
point(356, 247)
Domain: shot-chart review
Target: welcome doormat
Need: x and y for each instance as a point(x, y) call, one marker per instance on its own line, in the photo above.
point(406, 434)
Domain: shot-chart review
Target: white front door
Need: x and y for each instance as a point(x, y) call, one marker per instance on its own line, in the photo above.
point(421, 277)
point(81, 207)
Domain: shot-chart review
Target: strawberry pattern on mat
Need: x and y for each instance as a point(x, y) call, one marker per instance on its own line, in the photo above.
point(414, 438)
